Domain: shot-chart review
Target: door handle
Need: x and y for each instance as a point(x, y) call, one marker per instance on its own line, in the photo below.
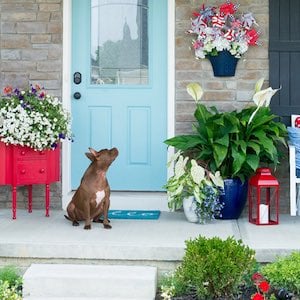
point(77, 78)
point(77, 95)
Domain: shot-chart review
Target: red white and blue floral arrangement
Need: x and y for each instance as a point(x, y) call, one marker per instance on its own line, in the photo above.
point(222, 28)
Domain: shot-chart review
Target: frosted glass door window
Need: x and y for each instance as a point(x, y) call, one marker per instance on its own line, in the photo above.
point(119, 42)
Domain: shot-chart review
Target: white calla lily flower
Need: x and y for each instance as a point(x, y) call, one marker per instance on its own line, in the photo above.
point(262, 98)
point(259, 85)
point(195, 90)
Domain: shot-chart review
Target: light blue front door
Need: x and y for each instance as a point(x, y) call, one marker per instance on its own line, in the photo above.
point(119, 67)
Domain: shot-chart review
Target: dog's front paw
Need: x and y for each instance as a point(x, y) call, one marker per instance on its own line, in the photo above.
point(87, 227)
point(75, 223)
point(107, 226)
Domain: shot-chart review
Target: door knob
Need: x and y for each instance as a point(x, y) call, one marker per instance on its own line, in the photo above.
point(77, 95)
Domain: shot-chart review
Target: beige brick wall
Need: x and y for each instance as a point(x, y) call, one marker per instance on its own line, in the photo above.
point(31, 43)
point(31, 52)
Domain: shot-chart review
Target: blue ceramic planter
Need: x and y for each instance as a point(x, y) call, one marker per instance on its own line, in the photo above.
point(224, 64)
point(234, 198)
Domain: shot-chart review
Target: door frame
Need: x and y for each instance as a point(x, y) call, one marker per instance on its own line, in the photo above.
point(66, 87)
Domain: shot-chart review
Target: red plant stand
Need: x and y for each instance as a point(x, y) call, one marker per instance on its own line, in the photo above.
point(25, 166)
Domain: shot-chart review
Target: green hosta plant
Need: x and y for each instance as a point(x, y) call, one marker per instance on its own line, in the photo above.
point(236, 142)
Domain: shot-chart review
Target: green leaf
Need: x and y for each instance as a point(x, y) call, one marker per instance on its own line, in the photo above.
point(270, 148)
point(254, 146)
point(238, 160)
point(261, 136)
point(223, 140)
point(253, 161)
point(219, 153)
point(183, 142)
point(201, 114)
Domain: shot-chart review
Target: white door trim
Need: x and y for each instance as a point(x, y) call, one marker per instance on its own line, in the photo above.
point(66, 86)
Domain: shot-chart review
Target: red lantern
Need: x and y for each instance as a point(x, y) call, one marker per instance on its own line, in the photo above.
point(263, 195)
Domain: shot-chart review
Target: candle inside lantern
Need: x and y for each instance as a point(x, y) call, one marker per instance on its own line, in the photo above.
point(263, 214)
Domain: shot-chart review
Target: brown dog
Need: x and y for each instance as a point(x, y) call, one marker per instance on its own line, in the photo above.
point(92, 198)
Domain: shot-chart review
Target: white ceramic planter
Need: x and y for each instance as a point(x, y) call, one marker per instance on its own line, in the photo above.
point(189, 209)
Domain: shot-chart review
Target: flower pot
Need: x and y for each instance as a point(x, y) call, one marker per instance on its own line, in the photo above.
point(189, 207)
point(234, 198)
point(223, 64)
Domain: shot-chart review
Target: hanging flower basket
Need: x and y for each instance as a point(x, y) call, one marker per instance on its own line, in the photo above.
point(222, 33)
point(223, 64)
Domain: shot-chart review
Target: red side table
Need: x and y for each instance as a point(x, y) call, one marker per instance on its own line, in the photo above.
point(25, 166)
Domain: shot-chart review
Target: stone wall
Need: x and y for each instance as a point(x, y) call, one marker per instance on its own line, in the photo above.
point(31, 52)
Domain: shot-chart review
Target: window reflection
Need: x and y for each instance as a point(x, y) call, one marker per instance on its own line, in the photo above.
point(119, 42)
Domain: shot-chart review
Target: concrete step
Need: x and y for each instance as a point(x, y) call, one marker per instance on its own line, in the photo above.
point(78, 298)
point(70, 281)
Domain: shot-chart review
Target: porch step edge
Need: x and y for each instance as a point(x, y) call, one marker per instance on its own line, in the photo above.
point(114, 282)
point(81, 298)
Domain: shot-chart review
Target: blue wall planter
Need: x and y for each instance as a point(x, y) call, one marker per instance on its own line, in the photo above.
point(223, 64)
point(234, 198)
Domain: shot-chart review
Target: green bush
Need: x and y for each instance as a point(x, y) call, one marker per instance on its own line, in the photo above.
point(11, 275)
point(284, 272)
point(10, 283)
point(213, 268)
point(9, 293)
point(170, 285)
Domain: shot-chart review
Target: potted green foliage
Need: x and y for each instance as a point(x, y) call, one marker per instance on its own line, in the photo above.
point(194, 188)
point(234, 142)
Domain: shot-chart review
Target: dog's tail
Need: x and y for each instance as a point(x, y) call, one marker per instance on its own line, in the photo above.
point(68, 218)
point(74, 222)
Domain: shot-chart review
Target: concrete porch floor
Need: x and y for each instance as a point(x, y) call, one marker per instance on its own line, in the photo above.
point(36, 238)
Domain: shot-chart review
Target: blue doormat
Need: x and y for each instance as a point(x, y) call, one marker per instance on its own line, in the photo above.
point(134, 214)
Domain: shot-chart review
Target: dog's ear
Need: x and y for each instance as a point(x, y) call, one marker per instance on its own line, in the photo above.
point(90, 156)
point(93, 151)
